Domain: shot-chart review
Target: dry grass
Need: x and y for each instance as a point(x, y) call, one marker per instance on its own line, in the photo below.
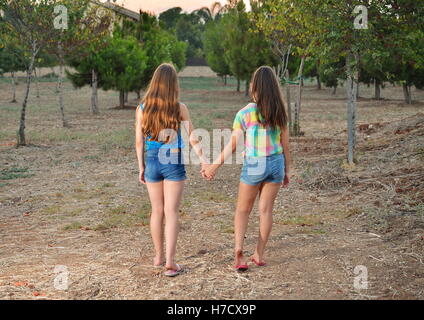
point(74, 200)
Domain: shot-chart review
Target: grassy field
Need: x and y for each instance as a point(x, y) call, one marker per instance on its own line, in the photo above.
point(71, 198)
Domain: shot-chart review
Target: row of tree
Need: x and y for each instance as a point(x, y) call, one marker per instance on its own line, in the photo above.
point(105, 51)
point(373, 42)
point(233, 46)
point(126, 59)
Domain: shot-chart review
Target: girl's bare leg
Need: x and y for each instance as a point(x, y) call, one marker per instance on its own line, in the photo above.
point(156, 220)
point(246, 198)
point(173, 192)
point(268, 193)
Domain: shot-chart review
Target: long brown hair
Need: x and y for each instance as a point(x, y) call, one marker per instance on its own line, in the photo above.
point(161, 110)
point(266, 93)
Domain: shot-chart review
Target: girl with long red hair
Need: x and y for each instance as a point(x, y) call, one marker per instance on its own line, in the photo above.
point(159, 144)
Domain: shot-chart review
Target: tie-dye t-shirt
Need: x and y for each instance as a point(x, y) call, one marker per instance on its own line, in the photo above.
point(259, 141)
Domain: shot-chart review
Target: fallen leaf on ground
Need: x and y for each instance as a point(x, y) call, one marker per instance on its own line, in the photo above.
point(21, 284)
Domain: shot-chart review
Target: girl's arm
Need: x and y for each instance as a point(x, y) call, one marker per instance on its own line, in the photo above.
point(139, 144)
point(188, 125)
point(287, 155)
point(229, 149)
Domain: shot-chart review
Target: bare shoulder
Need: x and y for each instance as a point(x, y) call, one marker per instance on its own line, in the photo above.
point(183, 107)
point(184, 111)
point(138, 113)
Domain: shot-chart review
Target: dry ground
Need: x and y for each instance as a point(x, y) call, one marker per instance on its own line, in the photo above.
point(71, 198)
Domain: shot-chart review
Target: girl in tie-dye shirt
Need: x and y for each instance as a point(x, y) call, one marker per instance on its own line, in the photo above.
point(263, 126)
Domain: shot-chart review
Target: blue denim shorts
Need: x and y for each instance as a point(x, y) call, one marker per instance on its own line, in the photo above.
point(162, 164)
point(263, 169)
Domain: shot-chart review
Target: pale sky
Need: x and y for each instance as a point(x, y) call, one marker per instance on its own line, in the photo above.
point(157, 6)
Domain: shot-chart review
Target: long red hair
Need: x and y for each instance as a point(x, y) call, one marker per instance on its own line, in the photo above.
point(161, 104)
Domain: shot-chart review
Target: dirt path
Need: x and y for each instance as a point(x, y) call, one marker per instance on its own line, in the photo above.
point(82, 208)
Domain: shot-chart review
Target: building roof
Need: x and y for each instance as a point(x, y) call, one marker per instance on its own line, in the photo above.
point(118, 9)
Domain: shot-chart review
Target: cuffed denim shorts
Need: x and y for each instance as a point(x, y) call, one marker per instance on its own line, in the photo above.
point(257, 170)
point(162, 164)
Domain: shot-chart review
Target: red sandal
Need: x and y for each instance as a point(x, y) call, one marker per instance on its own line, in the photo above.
point(259, 264)
point(174, 272)
point(241, 267)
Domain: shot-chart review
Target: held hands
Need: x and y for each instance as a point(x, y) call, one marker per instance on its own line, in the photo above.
point(208, 171)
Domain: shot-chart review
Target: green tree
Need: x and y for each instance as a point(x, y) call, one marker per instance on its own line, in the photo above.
point(87, 68)
point(170, 17)
point(160, 45)
point(177, 51)
point(312, 70)
point(245, 50)
point(405, 42)
point(12, 60)
point(119, 65)
point(29, 22)
point(339, 37)
point(332, 71)
point(84, 26)
point(189, 29)
point(215, 50)
point(291, 26)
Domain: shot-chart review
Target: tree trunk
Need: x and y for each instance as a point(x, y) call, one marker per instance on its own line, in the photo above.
point(319, 86)
point(57, 84)
point(138, 95)
point(352, 87)
point(296, 124)
point(126, 97)
point(334, 91)
point(94, 83)
point(238, 85)
point(407, 93)
point(288, 97)
point(225, 80)
point(357, 62)
point(65, 123)
point(357, 91)
point(21, 132)
point(246, 92)
point(13, 88)
point(122, 99)
point(377, 93)
point(37, 87)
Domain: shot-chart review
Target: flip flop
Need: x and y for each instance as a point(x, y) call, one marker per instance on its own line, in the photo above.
point(241, 267)
point(174, 272)
point(259, 264)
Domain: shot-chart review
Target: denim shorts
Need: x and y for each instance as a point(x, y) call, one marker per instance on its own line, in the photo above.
point(162, 164)
point(263, 169)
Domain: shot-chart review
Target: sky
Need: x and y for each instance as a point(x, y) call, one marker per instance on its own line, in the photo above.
point(157, 6)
